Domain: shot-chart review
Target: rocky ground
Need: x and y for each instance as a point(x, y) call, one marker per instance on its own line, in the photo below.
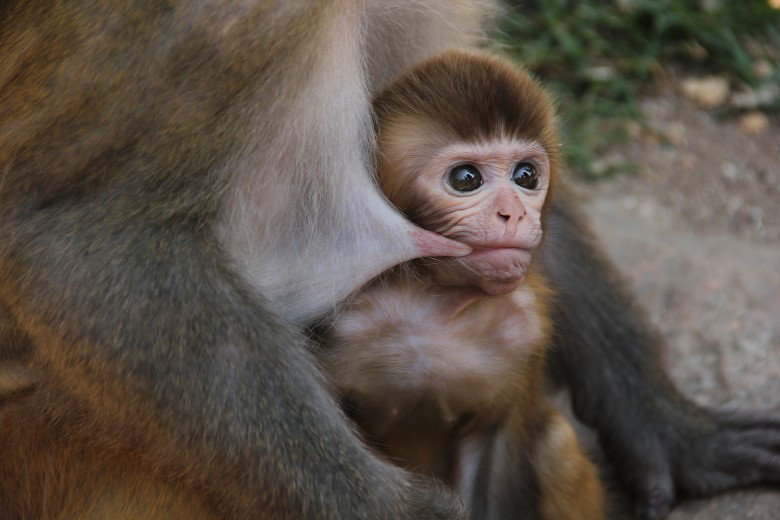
point(696, 229)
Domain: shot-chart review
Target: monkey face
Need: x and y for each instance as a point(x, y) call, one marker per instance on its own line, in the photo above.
point(489, 196)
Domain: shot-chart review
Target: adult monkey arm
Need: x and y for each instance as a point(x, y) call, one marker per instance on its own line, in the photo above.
point(137, 144)
point(661, 445)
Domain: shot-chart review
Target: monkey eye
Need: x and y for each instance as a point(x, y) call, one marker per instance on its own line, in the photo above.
point(525, 176)
point(465, 177)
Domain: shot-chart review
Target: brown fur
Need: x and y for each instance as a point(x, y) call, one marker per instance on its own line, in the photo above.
point(58, 470)
point(569, 482)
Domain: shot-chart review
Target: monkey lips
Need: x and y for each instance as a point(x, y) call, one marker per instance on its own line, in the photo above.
point(495, 270)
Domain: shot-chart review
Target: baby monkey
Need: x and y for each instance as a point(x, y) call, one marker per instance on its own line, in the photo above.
point(440, 361)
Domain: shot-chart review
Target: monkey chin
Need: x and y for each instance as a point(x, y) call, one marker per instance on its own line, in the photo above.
point(494, 271)
point(499, 270)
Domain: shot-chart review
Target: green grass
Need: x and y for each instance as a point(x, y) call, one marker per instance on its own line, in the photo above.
point(598, 56)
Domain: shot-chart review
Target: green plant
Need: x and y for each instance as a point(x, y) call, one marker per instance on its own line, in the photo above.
point(597, 56)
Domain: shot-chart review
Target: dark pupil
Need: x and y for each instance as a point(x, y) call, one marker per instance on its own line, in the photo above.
point(525, 176)
point(465, 178)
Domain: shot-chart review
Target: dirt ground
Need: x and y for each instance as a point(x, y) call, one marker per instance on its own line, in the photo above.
point(696, 230)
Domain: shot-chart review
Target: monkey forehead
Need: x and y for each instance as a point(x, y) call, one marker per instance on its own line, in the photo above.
point(501, 151)
point(423, 145)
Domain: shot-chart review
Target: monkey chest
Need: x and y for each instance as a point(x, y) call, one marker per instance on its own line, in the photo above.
point(429, 350)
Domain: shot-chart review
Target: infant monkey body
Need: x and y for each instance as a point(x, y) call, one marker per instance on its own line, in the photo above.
point(440, 361)
point(424, 364)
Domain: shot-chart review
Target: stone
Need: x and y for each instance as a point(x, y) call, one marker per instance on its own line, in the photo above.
point(708, 92)
point(754, 123)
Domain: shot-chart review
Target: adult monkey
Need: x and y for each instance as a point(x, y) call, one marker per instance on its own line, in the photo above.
point(176, 176)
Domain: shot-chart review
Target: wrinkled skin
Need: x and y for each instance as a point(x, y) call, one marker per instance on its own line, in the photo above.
point(499, 220)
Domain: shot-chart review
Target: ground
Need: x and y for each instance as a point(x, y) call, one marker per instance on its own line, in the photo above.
point(696, 230)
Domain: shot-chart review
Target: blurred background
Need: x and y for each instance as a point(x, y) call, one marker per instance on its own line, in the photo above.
point(601, 56)
point(671, 119)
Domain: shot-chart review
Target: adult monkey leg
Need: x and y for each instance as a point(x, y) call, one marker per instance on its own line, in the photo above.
point(660, 444)
point(173, 177)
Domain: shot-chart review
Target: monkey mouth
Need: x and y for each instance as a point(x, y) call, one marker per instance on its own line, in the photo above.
point(500, 268)
point(501, 258)
point(492, 269)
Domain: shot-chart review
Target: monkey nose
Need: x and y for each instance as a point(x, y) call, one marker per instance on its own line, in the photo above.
point(508, 207)
point(509, 216)
point(509, 219)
